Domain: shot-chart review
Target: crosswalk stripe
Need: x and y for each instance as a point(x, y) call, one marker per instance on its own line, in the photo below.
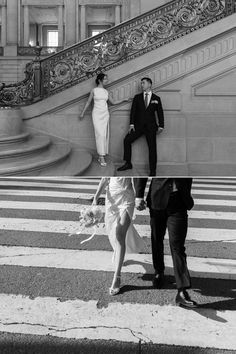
point(224, 180)
point(219, 202)
point(68, 227)
point(148, 323)
point(101, 261)
point(77, 208)
point(79, 185)
point(58, 194)
point(213, 186)
point(93, 184)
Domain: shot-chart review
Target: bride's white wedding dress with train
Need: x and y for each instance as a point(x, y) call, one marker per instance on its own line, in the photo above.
point(120, 199)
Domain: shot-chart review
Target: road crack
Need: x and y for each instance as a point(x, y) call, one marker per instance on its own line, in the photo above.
point(138, 335)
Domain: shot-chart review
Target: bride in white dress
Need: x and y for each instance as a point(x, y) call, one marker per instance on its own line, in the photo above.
point(119, 209)
point(100, 115)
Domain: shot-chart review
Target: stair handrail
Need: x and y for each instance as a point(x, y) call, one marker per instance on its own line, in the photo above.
point(113, 47)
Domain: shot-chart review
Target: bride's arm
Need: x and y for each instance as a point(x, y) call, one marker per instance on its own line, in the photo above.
point(114, 103)
point(102, 185)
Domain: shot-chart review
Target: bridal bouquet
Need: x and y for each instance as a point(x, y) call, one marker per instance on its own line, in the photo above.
point(89, 217)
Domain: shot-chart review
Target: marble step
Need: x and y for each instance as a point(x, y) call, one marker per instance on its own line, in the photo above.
point(31, 146)
point(74, 165)
point(30, 164)
point(14, 138)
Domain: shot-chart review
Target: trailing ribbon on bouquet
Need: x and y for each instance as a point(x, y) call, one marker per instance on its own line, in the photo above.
point(89, 217)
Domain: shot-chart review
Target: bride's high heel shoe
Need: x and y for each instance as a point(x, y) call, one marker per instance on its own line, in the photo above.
point(115, 291)
point(102, 161)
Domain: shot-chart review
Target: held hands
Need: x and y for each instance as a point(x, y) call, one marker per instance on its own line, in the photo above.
point(140, 204)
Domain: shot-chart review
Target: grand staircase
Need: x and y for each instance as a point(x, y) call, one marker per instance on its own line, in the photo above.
point(188, 48)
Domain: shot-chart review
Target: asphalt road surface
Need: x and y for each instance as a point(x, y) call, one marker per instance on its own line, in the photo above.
point(54, 290)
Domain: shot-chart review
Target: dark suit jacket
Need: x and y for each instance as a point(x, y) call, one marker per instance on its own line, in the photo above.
point(141, 116)
point(160, 190)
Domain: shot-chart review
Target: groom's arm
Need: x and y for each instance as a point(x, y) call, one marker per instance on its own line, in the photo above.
point(139, 186)
point(160, 113)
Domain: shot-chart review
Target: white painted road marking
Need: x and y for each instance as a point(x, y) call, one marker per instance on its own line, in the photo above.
point(67, 227)
point(101, 261)
point(129, 322)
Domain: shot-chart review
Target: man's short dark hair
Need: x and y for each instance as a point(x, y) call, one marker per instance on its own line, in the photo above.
point(147, 79)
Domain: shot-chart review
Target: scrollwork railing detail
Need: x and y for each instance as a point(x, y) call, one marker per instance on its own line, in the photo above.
point(127, 41)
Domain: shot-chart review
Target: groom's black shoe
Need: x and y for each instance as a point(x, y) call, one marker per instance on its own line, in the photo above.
point(183, 299)
point(158, 281)
point(126, 166)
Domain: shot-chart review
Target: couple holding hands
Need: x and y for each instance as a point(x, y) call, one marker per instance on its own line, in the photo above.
point(168, 200)
point(146, 118)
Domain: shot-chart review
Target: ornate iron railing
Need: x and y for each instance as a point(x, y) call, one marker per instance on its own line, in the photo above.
point(114, 47)
point(30, 51)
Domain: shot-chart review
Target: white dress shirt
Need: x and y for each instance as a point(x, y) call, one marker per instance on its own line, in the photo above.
point(149, 99)
point(149, 96)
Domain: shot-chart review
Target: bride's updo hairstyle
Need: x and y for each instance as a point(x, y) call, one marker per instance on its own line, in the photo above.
point(100, 78)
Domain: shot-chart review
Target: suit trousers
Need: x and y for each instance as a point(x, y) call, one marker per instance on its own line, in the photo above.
point(175, 219)
point(151, 141)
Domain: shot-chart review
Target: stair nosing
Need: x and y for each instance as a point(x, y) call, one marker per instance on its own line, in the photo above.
point(25, 151)
point(14, 138)
point(35, 166)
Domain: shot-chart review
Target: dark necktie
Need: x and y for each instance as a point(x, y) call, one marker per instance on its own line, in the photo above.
point(146, 99)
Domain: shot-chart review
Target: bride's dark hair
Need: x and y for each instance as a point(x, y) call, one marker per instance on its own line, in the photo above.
point(100, 77)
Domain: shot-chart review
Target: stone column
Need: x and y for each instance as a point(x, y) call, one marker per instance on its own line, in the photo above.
point(135, 8)
point(60, 26)
point(4, 26)
point(82, 22)
point(40, 35)
point(117, 14)
point(125, 10)
point(70, 22)
point(26, 25)
point(77, 27)
point(12, 28)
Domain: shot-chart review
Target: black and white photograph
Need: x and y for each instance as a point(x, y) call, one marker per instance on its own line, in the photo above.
point(117, 176)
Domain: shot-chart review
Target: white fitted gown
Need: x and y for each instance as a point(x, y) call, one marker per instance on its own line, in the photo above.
point(100, 116)
point(120, 198)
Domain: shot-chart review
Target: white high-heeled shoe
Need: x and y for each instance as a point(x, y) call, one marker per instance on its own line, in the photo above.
point(102, 161)
point(114, 291)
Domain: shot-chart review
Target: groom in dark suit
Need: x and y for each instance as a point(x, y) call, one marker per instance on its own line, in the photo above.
point(145, 111)
point(168, 200)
